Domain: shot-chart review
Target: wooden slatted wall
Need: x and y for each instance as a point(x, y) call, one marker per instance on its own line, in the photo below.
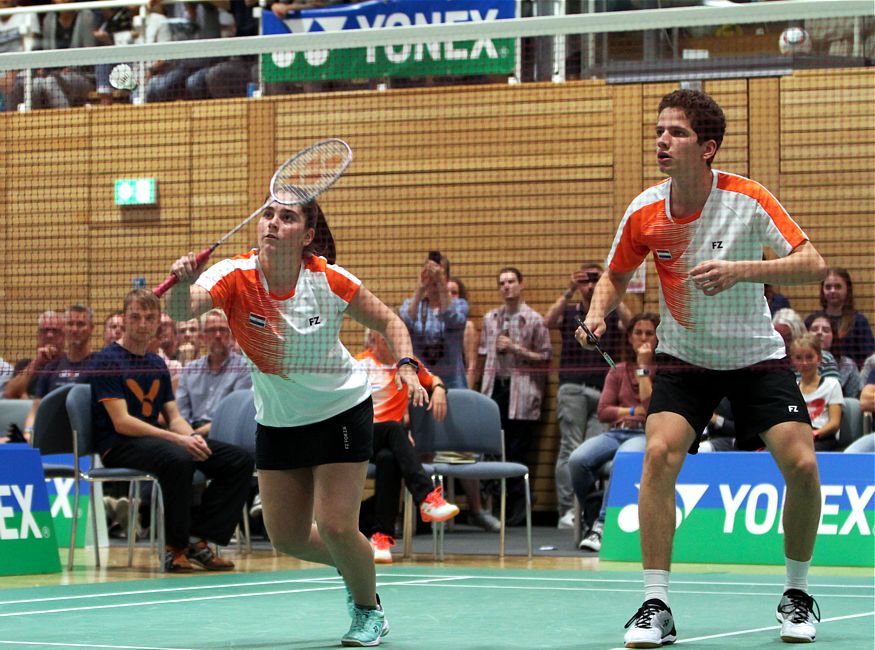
point(533, 175)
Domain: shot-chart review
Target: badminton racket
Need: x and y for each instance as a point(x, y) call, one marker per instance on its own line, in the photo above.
point(300, 179)
point(593, 341)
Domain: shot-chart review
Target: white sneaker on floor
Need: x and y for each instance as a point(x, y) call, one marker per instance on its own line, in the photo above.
point(593, 540)
point(484, 520)
point(255, 510)
point(566, 521)
point(796, 614)
point(652, 626)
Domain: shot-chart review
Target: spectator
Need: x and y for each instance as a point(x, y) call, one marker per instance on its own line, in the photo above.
point(867, 395)
point(113, 327)
point(189, 335)
point(623, 405)
point(49, 346)
point(853, 336)
point(67, 366)
point(867, 374)
point(720, 433)
point(515, 345)
point(204, 382)
point(776, 300)
point(394, 452)
point(436, 322)
point(12, 39)
point(167, 337)
point(470, 340)
point(789, 325)
point(846, 370)
point(581, 376)
point(130, 388)
point(823, 395)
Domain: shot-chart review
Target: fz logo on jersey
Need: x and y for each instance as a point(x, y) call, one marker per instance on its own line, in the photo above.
point(716, 245)
point(792, 408)
point(315, 320)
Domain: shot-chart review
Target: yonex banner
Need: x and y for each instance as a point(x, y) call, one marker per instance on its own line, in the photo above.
point(729, 509)
point(483, 56)
point(27, 535)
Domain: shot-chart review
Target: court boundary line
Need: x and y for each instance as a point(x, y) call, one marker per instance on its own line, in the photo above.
point(55, 644)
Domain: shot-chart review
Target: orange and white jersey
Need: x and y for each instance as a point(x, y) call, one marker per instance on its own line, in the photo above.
point(732, 329)
point(301, 372)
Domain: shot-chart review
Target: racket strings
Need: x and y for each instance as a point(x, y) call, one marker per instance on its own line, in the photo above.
point(309, 174)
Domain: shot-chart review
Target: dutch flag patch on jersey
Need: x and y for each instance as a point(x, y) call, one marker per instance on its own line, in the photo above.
point(663, 254)
point(257, 320)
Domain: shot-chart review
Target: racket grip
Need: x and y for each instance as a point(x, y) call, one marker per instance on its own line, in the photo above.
point(171, 279)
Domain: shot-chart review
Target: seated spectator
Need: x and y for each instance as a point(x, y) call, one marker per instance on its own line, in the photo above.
point(789, 325)
point(823, 395)
point(204, 382)
point(130, 388)
point(867, 374)
point(168, 337)
point(623, 404)
point(394, 452)
point(49, 346)
point(776, 300)
point(471, 339)
point(6, 370)
point(845, 368)
point(515, 352)
point(66, 367)
point(720, 432)
point(113, 327)
point(12, 39)
point(189, 337)
point(866, 444)
point(852, 334)
point(581, 375)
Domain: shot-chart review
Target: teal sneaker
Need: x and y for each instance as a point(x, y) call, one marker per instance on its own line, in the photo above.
point(368, 627)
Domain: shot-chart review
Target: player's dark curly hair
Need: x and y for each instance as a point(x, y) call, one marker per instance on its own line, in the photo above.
point(705, 115)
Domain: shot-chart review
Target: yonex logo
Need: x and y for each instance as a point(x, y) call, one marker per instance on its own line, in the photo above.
point(257, 320)
point(663, 254)
point(690, 495)
point(27, 527)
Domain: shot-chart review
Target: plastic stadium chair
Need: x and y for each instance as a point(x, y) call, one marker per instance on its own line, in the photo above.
point(81, 437)
point(473, 424)
point(13, 411)
point(851, 427)
point(234, 423)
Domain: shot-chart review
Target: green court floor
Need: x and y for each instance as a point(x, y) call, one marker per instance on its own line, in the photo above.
point(427, 608)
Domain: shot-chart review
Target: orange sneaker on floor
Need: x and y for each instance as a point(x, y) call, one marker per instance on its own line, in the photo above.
point(382, 545)
point(176, 560)
point(435, 508)
point(201, 554)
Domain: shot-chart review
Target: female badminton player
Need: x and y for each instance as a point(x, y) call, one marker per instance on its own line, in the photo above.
point(285, 302)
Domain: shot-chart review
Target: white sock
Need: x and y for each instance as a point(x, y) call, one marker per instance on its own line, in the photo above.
point(797, 574)
point(656, 585)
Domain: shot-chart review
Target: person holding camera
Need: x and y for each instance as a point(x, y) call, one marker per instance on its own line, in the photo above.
point(436, 322)
point(581, 376)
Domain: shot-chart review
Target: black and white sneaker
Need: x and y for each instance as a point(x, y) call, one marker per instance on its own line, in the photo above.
point(651, 627)
point(797, 613)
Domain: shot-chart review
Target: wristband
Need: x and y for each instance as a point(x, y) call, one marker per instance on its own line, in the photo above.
point(408, 361)
point(631, 410)
point(436, 386)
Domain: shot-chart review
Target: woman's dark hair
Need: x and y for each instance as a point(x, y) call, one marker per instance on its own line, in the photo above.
point(847, 307)
point(630, 354)
point(463, 290)
point(323, 240)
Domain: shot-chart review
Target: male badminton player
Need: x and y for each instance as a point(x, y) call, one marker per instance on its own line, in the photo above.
point(706, 230)
point(285, 303)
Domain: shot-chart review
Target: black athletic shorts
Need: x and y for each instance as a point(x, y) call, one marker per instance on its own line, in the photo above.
point(344, 438)
point(761, 396)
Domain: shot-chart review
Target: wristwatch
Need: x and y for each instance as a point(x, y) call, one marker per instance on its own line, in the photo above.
point(643, 372)
point(408, 360)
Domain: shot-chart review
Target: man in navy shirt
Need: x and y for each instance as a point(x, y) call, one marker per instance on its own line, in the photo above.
point(131, 388)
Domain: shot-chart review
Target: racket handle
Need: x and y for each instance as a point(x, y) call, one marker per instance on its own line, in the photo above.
point(171, 279)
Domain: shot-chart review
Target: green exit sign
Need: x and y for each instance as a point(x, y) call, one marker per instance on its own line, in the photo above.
point(136, 191)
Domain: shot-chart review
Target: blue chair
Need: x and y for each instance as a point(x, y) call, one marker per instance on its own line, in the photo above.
point(81, 435)
point(851, 427)
point(473, 424)
point(234, 422)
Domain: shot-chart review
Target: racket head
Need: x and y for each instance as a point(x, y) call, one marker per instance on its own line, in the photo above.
point(310, 172)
